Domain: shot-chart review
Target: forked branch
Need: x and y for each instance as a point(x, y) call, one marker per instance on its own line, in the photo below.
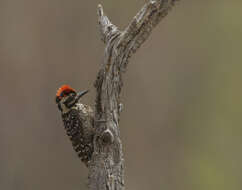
point(106, 166)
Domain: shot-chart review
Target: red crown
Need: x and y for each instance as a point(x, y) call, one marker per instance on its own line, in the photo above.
point(64, 88)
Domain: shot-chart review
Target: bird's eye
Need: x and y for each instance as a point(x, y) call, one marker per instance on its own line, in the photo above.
point(62, 94)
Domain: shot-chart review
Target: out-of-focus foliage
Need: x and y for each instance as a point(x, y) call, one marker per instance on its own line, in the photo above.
point(187, 77)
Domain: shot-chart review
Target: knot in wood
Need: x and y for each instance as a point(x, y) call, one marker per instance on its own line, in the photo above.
point(107, 137)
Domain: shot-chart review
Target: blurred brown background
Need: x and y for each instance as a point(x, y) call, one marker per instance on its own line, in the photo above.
point(187, 76)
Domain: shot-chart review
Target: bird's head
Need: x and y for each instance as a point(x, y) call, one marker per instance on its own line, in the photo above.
point(67, 97)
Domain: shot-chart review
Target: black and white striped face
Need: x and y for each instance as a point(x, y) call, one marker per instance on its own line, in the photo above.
point(67, 102)
point(67, 99)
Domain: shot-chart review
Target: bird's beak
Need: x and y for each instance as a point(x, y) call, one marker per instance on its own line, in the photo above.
point(80, 94)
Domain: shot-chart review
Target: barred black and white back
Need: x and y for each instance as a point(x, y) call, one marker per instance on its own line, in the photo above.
point(76, 128)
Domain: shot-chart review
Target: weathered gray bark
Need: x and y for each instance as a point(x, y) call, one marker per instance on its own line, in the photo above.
point(106, 168)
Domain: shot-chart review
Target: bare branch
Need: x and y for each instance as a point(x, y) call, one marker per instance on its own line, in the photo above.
point(107, 29)
point(143, 23)
point(106, 166)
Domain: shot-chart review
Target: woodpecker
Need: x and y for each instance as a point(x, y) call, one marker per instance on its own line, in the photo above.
point(78, 121)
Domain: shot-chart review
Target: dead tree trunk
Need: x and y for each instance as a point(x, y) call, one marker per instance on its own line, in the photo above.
point(106, 168)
